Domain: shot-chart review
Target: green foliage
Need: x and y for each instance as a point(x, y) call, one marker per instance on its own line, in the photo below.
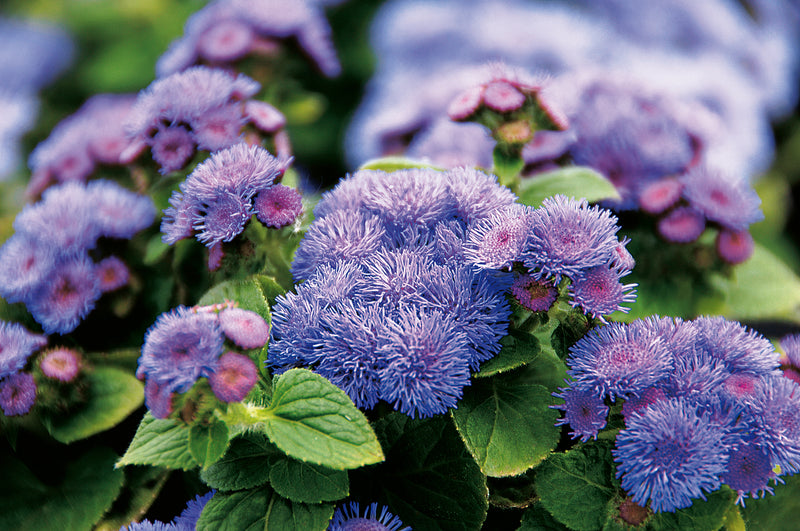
point(536, 518)
point(113, 395)
point(74, 499)
point(247, 292)
point(507, 166)
point(160, 442)
point(429, 478)
point(574, 181)
point(517, 350)
point(306, 483)
point(314, 421)
point(507, 423)
point(576, 486)
point(262, 509)
point(390, 164)
point(246, 464)
point(778, 512)
point(708, 515)
point(207, 442)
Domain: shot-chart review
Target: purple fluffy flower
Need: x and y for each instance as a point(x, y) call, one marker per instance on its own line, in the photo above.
point(584, 411)
point(670, 455)
point(732, 204)
point(61, 364)
point(791, 347)
point(191, 514)
point(350, 518)
point(226, 31)
point(112, 274)
point(25, 263)
point(216, 200)
point(568, 235)
point(278, 206)
point(17, 394)
point(93, 135)
point(775, 423)
point(349, 351)
point(16, 346)
point(618, 359)
point(172, 148)
point(741, 349)
point(734, 246)
point(408, 197)
point(749, 471)
point(682, 225)
point(181, 347)
point(500, 240)
point(158, 398)
point(117, 212)
point(426, 363)
point(599, 292)
point(535, 295)
point(245, 328)
point(342, 235)
point(69, 294)
point(233, 377)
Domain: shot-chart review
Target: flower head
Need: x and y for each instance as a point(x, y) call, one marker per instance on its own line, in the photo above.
point(732, 204)
point(61, 364)
point(112, 274)
point(734, 246)
point(233, 377)
point(669, 455)
point(350, 518)
point(191, 514)
point(682, 225)
point(245, 328)
point(278, 206)
point(61, 303)
point(501, 239)
point(16, 346)
point(179, 348)
point(618, 359)
point(599, 291)
point(535, 295)
point(749, 471)
point(17, 394)
point(584, 411)
point(741, 349)
point(24, 262)
point(568, 235)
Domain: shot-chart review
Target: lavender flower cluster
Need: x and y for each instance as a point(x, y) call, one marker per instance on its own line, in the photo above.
point(18, 380)
point(405, 277)
point(187, 344)
point(47, 261)
point(704, 404)
point(226, 31)
point(223, 192)
point(198, 108)
point(92, 136)
point(186, 521)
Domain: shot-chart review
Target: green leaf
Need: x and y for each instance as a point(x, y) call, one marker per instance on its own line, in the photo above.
point(246, 464)
point(576, 486)
point(762, 287)
point(708, 515)
point(208, 442)
point(517, 350)
point(114, 394)
point(507, 423)
point(314, 421)
point(262, 509)
point(536, 518)
point(778, 512)
point(248, 293)
point(429, 479)
point(516, 492)
point(141, 488)
point(390, 164)
point(160, 442)
point(155, 251)
point(74, 498)
point(302, 482)
point(269, 288)
point(574, 181)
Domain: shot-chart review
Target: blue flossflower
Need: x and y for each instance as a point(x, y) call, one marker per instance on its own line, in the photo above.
point(584, 411)
point(350, 518)
point(16, 346)
point(669, 455)
point(17, 394)
point(742, 349)
point(599, 292)
point(501, 239)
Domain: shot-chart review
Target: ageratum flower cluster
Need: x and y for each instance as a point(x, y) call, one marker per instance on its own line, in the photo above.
point(94, 135)
point(405, 277)
point(226, 31)
point(17, 386)
point(704, 405)
point(199, 108)
point(47, 263)
point(187, 344)
point(223, 192)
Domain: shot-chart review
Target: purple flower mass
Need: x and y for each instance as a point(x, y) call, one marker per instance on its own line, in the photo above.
point(704, 404)
point(16, 346)
point(351, 518)
point(216, 200)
